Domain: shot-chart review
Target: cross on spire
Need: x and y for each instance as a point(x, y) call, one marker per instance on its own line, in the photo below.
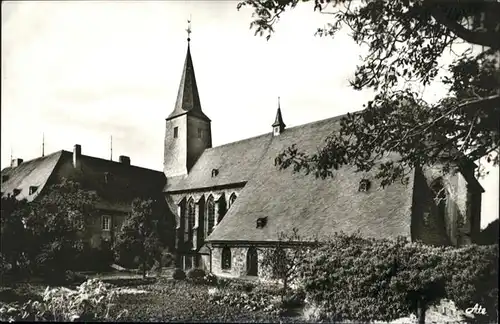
point(189, 28)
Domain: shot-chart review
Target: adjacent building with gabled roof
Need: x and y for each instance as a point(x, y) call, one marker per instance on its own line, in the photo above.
point(116, 183)
point(230, 201)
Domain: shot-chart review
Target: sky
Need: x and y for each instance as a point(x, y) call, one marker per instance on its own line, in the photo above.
point(79, 72)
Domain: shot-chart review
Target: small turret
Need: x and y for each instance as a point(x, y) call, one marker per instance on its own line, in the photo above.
point(278, 125)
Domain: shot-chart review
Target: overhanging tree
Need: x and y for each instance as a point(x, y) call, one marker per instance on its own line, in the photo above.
point(405, 41)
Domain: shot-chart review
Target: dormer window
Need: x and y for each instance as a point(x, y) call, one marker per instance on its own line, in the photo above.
point(16, 192)
point(33, 189)
point(176, 132)
point(276, 130)
point(215, 172)
point(364, 185)
point(5, 178)
point(261, 222)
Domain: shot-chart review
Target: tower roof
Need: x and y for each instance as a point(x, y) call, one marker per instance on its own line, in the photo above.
point(279, 119)
point(188, 99)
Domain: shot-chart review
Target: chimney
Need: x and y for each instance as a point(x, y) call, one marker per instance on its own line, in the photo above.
point(15, 162)
point(124, 159)
point(77, 154)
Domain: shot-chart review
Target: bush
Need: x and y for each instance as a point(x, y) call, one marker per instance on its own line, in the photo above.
point(74, 277)
point(129, 282)
point(294, 298)
point(210, 279)
point(91, 301)
point(167, 259)
point(389, 279)
point(239, 285)
point(179, 274)
point(471, 275)
point(17, 294)
point(196, 275)
point(252, 301)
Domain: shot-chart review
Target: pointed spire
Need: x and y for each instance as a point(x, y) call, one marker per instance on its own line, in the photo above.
point(188, 99)
point(278, 125)
point(43, 144)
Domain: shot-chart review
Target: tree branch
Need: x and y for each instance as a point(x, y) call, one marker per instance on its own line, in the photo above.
point(485, 38)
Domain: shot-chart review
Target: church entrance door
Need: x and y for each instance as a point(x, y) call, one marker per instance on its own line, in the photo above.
point(252, 262)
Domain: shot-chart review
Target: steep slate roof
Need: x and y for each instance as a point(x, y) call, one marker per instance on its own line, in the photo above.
point(35, 172)
point(125, 182)
point(188, 98)
point(316, 207)
point(235, 163)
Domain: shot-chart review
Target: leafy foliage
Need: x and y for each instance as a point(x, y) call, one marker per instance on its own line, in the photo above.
point(179, 274)
point(47, 235)
point(181, 301)
point(13, 239)
point(284, 259)
point(140, 236)
point(251, 301)
point(406, 40)
point(367, 279)
point(471, 275)
point(57, 224)
point(196, 275)
point(92, 301)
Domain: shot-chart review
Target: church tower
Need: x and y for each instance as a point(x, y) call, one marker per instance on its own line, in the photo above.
point(188, 132)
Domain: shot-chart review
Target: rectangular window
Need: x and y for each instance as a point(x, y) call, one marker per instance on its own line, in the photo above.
point(106, 223)
point(200, 133)
point(176, 132)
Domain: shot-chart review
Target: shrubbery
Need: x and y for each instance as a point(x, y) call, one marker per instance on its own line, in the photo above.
point(368, 279)
point(252, 301)
point(196, 275)
point(167, 259)
point(92, 301)
point(179, 274)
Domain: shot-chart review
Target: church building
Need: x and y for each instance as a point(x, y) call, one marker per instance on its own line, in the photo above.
point(230, 201)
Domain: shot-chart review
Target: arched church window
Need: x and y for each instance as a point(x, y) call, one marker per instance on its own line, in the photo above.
point(252, 262)
point(232, 199)
point(190, 218)
point(210, 215)
point(226, 258)
point(221, 208)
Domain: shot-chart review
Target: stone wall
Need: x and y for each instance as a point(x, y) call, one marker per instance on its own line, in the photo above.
point(238, 262)
point(462, 211)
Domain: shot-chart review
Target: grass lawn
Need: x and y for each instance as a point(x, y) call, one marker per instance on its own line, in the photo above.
point(180, 301)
